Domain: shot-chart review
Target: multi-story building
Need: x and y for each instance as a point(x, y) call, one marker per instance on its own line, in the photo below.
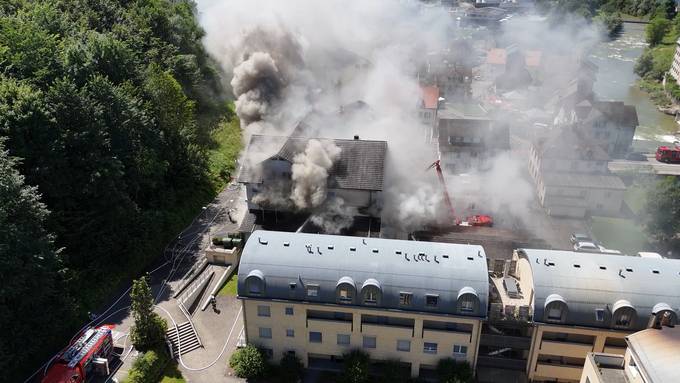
point(319, 296)
point(651, 357)
point(585, 303)
point(427, 107)
point(675, 66)
point(571, 176)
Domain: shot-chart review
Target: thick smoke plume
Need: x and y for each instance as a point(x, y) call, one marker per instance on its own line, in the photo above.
point(334, 216)
point(310, 173)
point(293, 59)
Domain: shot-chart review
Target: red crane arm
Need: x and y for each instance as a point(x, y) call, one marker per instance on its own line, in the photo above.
point(437, 166)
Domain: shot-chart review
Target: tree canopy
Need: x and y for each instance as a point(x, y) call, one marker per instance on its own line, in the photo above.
point(110, 107)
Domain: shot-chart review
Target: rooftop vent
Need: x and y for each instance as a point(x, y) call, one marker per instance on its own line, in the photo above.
point(628, 269)
point(603, 267)
point(262, 241)
point(352, 249)
point(292, 285)
point(551, 263)
point(375, 251)
point(655, 271)
point(286, 244)
point(577, 266)
point(445, 256)
point(421, 254)
point(331, 247)
point(470, 259)
point(356, 137)
point(398, 252)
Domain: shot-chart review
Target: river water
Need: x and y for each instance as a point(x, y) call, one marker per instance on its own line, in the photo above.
point(616, 81)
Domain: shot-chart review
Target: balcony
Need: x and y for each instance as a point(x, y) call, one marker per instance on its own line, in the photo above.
point(556, 371)
point(329, 325)
point(575, 350)
point(431, 335)
point(385, 330)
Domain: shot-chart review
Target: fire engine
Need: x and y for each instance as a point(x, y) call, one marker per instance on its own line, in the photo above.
point(668, 154)
point(89, 354)
point(473, 220)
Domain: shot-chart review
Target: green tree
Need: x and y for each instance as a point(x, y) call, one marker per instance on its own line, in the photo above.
point(33, 301)
point(149, 328)
point(644, 64)
point(450, 371)
point(355, 367)
point(663, 210)
point(248, 362)
point(656, 30)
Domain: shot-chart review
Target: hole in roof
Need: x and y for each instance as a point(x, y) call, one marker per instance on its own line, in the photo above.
point(447, 257)
point(352, 249)
point(470, 259)
point(331, 247)
point(577, 266)
point(286, 244)
point(603, 267)
point(628, 269)
point(375, 250)
point(398, 251)
point(655, 271)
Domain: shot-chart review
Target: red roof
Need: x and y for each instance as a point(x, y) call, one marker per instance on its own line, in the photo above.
point(496, 56)
point(430, 96)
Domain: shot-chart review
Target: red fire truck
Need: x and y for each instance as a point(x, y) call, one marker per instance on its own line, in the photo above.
point(668, 154)
point(89, 354)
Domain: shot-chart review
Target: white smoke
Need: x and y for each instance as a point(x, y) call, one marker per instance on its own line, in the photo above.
point(334, 216)
point(310, 173)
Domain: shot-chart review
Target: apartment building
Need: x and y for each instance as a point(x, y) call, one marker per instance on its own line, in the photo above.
point(675, 65)
point(319, 296)
point(586, 303)
point(652, 357)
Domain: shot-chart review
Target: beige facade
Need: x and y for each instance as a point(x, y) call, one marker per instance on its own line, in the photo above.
point(558, 352)
point(321, 333)
point(675, 65)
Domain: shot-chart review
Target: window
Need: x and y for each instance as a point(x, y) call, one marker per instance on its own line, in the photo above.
point(369, 342)
point(343, 339)
point(405, 299)
point(459, 350)
point(289, 311)
point(263, 311)
point(267, 352)
point(430, 348)
point(404, 345)
point(290, 333)
point(312, 290)
point(467, 303)
point(431, 300)
point(345, 293)
point(371, 295)
point(555, 313)
point(599, 315)
point(314, 337)
point(265, 332)
point(623, 319)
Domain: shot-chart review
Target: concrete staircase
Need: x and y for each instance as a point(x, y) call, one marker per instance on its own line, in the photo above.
point(188, 337)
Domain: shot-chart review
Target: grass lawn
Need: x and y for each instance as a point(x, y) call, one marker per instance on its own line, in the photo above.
point(229, 288)
point(620, 234)
point(172, 375)
point(227, 144)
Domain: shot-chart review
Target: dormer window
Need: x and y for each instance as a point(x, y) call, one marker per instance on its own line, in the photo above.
point(255, 283)
point(555, 309)
point(624, 314)
point(345, 290)
point(467, 300)
point(371, 292)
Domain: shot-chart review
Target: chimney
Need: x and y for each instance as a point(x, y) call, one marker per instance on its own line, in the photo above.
point(356, 137)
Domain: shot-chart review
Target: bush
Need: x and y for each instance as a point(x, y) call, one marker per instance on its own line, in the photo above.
point(394, 372)
point(355, 369)
point(450, 371)
point(290, 369)
point(149, 367)
point(248, 362)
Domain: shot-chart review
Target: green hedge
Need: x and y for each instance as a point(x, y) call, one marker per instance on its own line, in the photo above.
point(149, 367)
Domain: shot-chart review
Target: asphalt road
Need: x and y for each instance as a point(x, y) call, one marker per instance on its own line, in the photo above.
point(648, 165)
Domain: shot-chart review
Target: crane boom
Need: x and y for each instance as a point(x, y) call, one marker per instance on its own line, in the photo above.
point(437, 166)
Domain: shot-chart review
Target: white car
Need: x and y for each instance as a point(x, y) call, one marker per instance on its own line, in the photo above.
point(587, 247)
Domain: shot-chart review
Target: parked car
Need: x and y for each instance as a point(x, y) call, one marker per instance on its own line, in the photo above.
point(577, 237)
point(587, 247)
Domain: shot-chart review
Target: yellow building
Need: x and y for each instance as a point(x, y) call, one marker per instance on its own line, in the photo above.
point(586, 303)
point(319, 296)
point(653, 356)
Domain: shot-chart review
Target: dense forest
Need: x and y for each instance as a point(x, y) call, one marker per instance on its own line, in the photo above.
point(107, 114)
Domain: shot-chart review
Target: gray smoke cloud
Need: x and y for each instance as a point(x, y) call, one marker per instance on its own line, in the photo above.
point(290, 59)
point(310, 173)
point(334, 216)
